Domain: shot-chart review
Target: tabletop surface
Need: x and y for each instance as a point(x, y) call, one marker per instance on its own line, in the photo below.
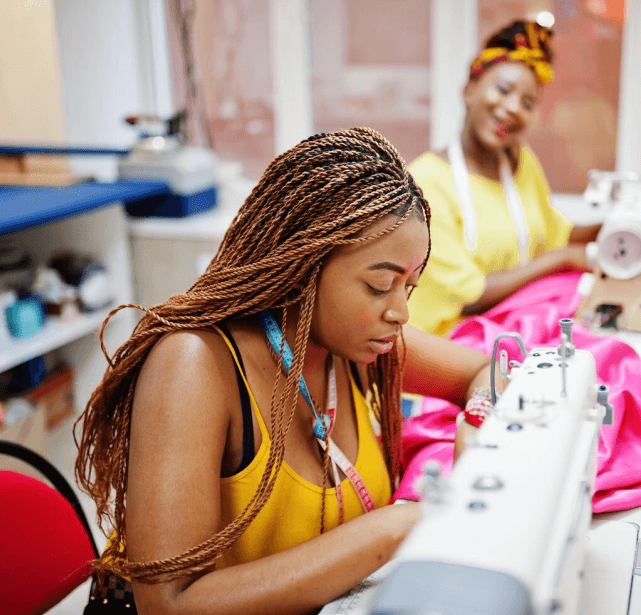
point(22, 207)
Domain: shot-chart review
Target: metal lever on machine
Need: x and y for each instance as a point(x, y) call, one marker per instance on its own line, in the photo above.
point(503, 367)
point(500, 336)
point(602, 396)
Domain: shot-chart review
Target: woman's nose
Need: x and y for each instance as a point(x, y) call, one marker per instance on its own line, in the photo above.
point(513, 105)
point(397, 311)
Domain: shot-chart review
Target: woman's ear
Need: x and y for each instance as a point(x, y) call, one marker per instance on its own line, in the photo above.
point(468, 90)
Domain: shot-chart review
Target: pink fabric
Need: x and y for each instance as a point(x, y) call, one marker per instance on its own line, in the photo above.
point(534, 312)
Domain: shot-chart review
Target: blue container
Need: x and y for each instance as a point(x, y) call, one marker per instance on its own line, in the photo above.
point(27, 375)
point(173, 205)
point(26, 316)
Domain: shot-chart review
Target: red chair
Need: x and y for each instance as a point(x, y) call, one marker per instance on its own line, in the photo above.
point(45, 540)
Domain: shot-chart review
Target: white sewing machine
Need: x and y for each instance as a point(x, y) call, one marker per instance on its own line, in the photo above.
point(508, 531)
point(614, 299)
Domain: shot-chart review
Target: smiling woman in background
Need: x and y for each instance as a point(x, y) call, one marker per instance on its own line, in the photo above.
point(493, 227)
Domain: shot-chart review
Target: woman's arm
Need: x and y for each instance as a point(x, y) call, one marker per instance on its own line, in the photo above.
point(437, 367)
point(298, 580)
point(182, 418)
point(502, 284)
point(584, 234)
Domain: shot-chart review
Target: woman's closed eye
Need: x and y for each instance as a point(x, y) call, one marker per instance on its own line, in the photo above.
point(529, 103)
point(383, 291)
point(377, 291)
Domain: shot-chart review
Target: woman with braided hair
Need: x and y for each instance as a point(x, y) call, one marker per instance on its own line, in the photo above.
point(493, 227)
point(229, 446)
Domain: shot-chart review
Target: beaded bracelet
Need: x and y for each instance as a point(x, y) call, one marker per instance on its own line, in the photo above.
point(478, 406)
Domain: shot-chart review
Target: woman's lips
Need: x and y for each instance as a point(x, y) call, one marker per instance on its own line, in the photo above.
point(501, 130)
point(381, 346)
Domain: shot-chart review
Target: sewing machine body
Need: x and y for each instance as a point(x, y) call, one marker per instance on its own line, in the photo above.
point(614, 299)
point(611, 302)
point(506, 532)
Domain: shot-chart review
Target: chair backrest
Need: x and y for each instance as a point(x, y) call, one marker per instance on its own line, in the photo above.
point(45, 539)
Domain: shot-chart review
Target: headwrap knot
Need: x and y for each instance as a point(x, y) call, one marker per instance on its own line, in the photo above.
point(528, 49)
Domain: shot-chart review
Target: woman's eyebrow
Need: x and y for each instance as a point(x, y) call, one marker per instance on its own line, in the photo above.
point(389, 266)
point(386, 265)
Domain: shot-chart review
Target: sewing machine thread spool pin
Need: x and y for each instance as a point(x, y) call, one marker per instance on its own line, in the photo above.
point(565, 349)
point(566, 328)
point(564, 364)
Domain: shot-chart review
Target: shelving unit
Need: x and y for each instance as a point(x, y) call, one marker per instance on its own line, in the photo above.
point(88, 219)
point(53, 335)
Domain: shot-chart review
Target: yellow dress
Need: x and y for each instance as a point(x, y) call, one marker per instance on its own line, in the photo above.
point(454, 275)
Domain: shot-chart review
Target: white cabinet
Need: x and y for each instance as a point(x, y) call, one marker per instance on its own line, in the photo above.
point(168, 254)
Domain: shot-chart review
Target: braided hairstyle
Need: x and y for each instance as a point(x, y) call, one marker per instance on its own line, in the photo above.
point(324, 192)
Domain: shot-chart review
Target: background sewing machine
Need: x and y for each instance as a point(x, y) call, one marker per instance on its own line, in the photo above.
point(508, 531)
point(614, 296)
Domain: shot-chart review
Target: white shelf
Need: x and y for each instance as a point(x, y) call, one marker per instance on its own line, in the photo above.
point(54, 334)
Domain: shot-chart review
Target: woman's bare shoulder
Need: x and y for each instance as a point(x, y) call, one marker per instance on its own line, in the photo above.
point(185, 369)
point(190, 351)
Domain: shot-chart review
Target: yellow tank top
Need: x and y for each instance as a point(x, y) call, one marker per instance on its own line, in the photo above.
point(291, 516)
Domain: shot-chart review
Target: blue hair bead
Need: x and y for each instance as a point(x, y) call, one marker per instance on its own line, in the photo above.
point(319, 428)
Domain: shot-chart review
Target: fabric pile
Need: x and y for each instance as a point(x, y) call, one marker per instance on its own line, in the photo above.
point(534, 312)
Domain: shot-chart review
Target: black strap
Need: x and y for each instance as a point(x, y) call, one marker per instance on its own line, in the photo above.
point(245, 402)
point(357, 377)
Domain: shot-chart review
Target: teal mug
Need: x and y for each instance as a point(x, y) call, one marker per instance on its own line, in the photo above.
point(26, 316)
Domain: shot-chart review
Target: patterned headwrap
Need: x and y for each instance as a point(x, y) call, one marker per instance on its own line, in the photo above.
point(531, 46)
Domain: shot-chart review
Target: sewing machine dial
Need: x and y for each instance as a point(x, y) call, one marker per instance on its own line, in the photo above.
point(620, 255)
point(534, 393)
point(536, 410)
